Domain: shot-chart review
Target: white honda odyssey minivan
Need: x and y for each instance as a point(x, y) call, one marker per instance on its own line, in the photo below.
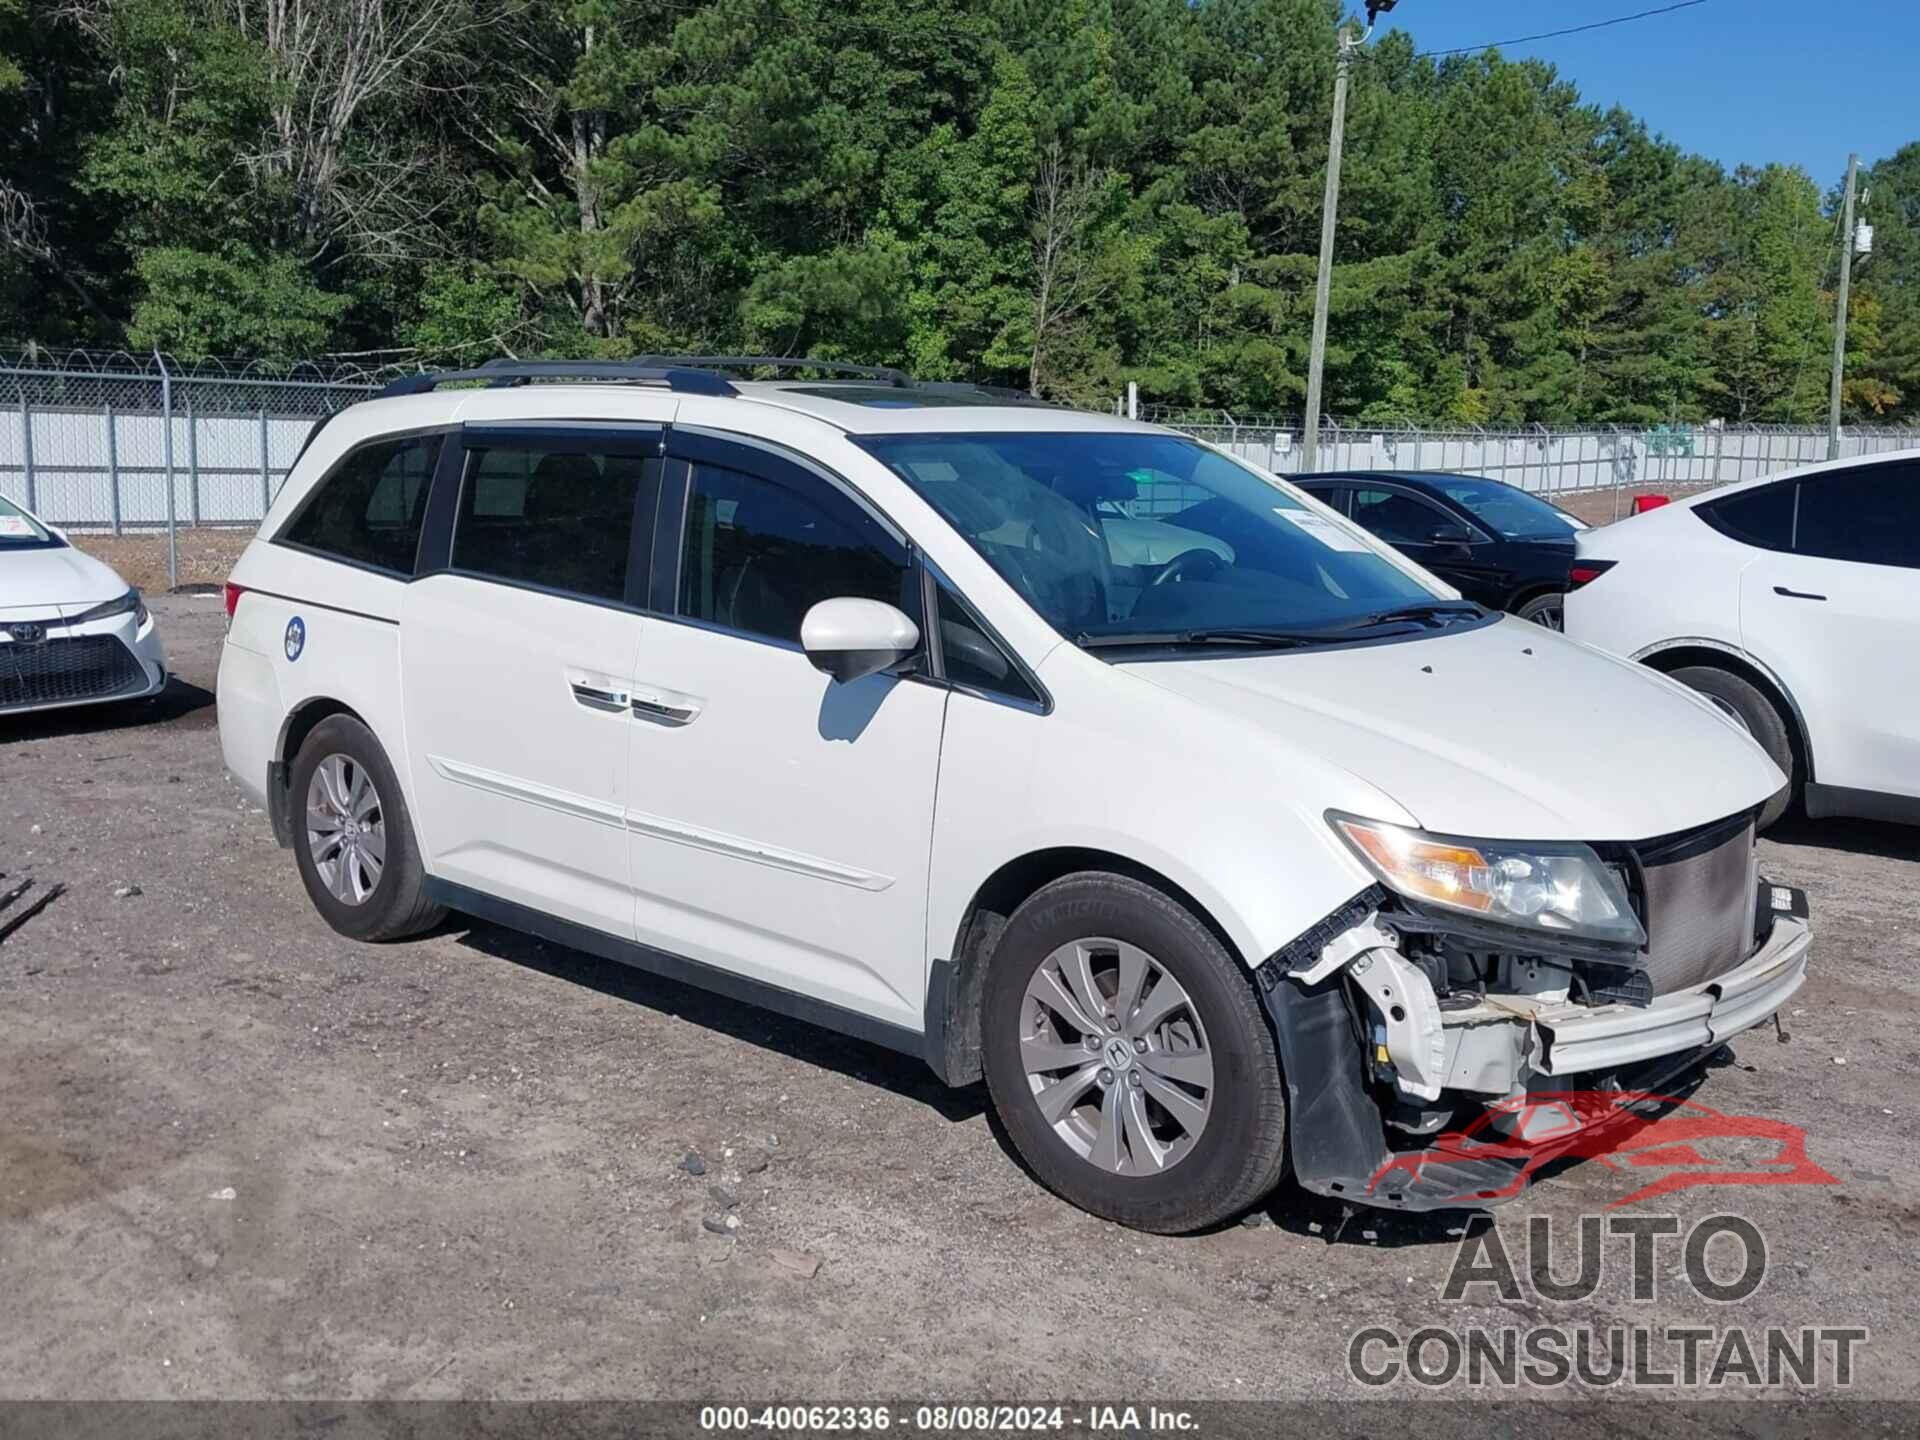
point(1051, 747)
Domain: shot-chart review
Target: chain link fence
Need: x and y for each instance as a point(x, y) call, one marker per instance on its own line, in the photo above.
point(118, 442)
point(121, 442)
point(1547, 460)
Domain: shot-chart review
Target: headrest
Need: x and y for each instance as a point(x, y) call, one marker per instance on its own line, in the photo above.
point(1088, 486)
point(564, 484)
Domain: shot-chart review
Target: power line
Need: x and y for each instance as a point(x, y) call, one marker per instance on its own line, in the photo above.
point(1554, 34)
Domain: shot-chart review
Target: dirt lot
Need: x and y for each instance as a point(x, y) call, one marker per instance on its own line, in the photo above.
point(242, 1157)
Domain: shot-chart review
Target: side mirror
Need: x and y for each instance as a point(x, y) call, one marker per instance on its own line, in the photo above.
point(849, 638)
point(1450, 532)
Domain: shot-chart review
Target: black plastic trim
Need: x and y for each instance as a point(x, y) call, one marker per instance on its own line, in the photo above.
point(498, 373)
point(279, 808)
point(1836, 800)
point(675, 967)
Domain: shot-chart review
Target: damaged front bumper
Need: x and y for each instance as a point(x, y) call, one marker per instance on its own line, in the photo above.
point(1496, 1046)
point(1366, 1046)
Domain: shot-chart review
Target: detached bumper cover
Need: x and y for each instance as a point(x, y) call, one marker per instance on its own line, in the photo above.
point(1338, 1136)
point(1576, 1039)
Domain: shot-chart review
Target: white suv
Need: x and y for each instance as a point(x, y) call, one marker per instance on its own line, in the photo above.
point(1793, 603)
point(879, 704)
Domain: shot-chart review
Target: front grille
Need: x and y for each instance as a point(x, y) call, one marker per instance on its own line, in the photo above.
point(1698, 892)
point(82, 667)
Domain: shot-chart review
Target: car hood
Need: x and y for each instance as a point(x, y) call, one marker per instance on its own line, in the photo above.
point(56, 579)
point(1502, 731)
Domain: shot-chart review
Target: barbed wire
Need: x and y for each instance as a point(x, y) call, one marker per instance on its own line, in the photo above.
point(124, 364)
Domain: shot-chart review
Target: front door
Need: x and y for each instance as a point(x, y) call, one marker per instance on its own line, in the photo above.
point(780, 823)
point(1425, 533)
point(517, 656)
point(1838, 618)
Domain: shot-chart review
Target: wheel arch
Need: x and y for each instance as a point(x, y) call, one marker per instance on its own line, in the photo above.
point(1680, 654)
point(955, 986)
point(1530, 591)
point(299, 723)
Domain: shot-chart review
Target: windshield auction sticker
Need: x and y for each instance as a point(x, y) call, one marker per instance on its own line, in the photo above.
point(1327, 532)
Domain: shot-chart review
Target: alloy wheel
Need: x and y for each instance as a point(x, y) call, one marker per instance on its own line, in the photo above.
point(346, 829)
point(1116, 1056)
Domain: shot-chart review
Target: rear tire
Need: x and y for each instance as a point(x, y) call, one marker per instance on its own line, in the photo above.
point(1179, 1118)
point(1754, 709)
point(1548, 610)
point(353, 837)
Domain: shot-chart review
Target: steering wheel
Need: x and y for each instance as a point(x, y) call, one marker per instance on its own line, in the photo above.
point(1190, 565)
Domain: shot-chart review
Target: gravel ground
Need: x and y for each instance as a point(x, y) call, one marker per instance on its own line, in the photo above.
point(243, 1157)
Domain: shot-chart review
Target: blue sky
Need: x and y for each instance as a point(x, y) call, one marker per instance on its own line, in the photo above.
point(1742, 81)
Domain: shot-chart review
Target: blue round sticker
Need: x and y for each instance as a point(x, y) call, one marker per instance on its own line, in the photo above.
point(296, 637)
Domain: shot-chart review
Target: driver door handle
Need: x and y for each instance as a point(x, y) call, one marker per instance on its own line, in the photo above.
point(1796, 594)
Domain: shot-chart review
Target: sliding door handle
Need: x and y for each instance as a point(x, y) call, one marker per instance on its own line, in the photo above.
point(613, 702)
point(1796, 594)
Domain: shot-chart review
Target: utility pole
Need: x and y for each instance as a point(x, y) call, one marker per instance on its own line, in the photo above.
point(1840, 310)
point(1323, 285)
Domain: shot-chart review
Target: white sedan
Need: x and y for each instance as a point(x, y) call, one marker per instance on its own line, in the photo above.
point(1793, 603)
point(72, 632)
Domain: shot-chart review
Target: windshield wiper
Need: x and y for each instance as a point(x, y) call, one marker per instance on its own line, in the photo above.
point(1439, 612)
point(1174, 639)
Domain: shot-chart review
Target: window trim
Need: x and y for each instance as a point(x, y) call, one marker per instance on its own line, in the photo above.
point(280, 534)
point(759, 459)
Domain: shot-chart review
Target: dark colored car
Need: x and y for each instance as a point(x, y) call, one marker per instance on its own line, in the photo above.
point(1493, 543)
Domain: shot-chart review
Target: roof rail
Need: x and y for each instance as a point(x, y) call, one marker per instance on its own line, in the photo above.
point(519, 372)
point(689, 374)
point(886, 373)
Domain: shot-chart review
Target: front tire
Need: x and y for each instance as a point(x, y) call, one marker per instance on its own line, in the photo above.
point(1746, 703)
point(353, 838)
point(1128, 1058)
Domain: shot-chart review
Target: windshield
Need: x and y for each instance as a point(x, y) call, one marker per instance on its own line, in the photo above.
point(1506, 511)
point(1108, 535)
point(20, 531)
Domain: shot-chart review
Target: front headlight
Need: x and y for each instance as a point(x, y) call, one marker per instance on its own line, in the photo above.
point(1562, 888)
point(129, 603)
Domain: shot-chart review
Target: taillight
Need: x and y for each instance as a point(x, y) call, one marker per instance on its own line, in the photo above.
point(234, 592)
point(1585, 572)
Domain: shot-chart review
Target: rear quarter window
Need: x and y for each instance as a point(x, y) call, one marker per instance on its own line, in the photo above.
point(1762, 516)
point(368, 509)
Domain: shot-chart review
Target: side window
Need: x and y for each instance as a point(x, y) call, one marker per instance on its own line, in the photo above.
point(1396, 518)
point(1870, 515)
point(757, 555)
point(1761, 516)
point(974, 658)
point(561, 519)
point(369, 509)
